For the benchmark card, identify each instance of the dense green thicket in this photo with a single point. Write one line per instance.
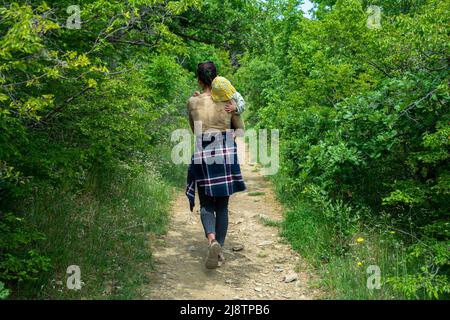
(85, 121)
(364, 120)
(86, 116)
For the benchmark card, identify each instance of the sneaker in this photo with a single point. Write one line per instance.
(221, 256)
(212, 260)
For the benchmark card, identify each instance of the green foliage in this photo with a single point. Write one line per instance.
(77, 102)
(4, 293)
(432, 254)
(15, 263)
(363, 115)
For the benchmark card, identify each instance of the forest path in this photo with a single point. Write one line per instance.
(257, 271)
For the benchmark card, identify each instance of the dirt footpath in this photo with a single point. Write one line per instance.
(266, 267)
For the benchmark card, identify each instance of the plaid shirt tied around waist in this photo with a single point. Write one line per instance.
(214, 166)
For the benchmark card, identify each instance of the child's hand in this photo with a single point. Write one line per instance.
(196, 93)
(230, 106)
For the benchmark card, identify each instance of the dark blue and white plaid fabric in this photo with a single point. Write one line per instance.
(214, 166)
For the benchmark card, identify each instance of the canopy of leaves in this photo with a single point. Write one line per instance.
(363, 114)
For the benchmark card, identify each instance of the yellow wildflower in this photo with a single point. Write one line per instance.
(359, 264)
(360, 240)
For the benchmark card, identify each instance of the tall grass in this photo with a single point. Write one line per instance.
(343, 271)
(341, 256)
(104, 229)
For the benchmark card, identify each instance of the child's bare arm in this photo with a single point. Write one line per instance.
(231, 106)
(240, 102)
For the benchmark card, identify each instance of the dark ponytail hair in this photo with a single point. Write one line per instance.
(206, 72)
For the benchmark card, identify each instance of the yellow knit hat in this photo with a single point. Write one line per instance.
(221, 89)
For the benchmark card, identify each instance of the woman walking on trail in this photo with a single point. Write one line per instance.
(214, 168)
